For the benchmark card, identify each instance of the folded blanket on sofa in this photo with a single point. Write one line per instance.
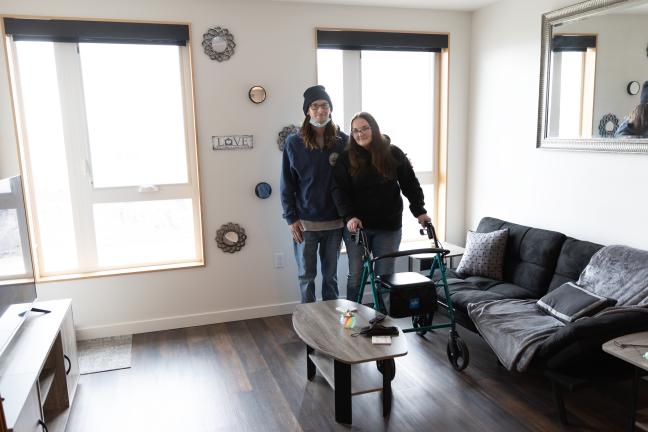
(516, 329)
(618, 272)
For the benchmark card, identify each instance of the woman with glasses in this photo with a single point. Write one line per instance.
(306, 179)
(369, 177)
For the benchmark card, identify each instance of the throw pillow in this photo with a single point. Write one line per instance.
(484, 254)
(569, 302)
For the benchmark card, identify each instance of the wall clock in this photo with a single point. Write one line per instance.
(633, 88)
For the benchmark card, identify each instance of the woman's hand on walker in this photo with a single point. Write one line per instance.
(354, 224)
(424, 219)
(296, 231)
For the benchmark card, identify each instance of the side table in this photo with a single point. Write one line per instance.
(631, 348)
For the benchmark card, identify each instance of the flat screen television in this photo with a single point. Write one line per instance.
(17, 284)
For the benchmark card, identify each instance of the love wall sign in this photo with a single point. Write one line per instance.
(232, 142)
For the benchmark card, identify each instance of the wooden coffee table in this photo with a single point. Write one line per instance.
(332, 350)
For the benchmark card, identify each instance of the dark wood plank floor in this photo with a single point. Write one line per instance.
(251, 376)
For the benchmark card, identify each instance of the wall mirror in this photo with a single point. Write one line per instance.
(591, 51)
(218, 44)
(230, 237)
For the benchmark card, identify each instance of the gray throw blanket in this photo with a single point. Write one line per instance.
(516, 329)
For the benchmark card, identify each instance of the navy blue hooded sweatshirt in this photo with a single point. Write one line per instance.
(307, 178)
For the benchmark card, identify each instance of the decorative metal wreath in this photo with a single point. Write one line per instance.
(605, 120)
(230, 237)
(224, 36)
(287, 130)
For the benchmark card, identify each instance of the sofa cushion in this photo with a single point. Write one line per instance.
(484, 254)
(474, 289)
(531, 254)
(574, 256)
(569, 302)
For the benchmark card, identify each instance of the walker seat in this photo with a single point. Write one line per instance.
(409, 294)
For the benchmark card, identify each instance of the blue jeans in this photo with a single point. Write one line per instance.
(381, 242)
(329, 242)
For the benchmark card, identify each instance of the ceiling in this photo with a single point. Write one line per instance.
(461, 5)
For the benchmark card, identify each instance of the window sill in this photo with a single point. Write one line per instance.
(118, 272)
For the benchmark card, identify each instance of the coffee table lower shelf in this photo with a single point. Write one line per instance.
(365, 377)
(348, 380)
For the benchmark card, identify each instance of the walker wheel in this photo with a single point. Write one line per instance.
(457, 351)
(391, 370)
(419, 321)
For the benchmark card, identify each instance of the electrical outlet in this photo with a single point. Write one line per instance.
(279, 260)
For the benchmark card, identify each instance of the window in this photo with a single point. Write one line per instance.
(573, 64)
(15, 263)
(108, 149)
(401, 80)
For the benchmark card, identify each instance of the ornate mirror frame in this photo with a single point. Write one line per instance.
(561, 16)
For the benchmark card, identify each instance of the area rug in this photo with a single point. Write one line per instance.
(105, 354)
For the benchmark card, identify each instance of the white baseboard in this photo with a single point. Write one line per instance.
(181, 321)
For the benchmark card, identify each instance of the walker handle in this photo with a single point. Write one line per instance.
(396, 254)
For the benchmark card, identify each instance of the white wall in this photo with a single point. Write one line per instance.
(276, 49)
(593, 196)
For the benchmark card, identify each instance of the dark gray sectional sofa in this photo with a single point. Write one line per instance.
(537, 261)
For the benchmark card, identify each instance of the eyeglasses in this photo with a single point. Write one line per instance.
(317, 107)
(362, 130)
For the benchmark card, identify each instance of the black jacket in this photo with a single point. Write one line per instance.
(372, 198)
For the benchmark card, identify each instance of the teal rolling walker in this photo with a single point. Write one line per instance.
(413, 294)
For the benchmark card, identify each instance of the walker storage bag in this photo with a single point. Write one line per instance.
(410, 294)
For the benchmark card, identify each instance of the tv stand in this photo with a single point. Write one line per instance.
(39, 371)
(43, 311)
(35, 309)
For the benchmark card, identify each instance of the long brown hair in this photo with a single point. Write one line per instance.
(308, 134)
(379, 149)
(638, 119)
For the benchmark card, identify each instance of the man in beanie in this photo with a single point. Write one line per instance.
(306, 179)
(636, 123)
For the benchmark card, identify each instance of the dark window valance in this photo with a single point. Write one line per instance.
(561, 43)
(383, 41)
(96, 31)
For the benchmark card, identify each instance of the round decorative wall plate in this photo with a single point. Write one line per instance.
(608, 125)
(230, 237)
(263, 190)
(283, 134)
(257, 94)
(218, 44)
